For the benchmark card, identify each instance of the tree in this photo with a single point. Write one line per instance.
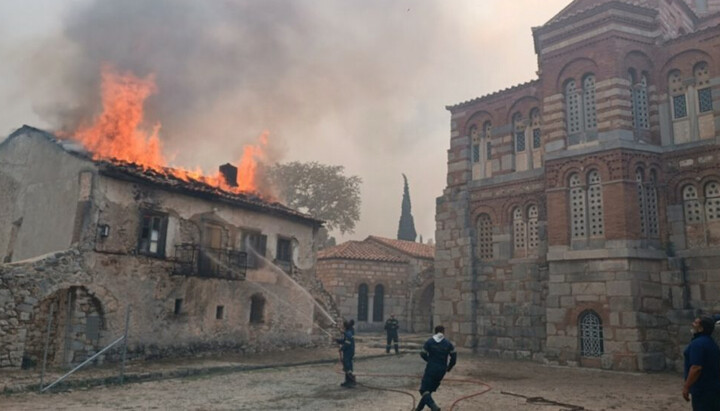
(320, 190)
(406, 228)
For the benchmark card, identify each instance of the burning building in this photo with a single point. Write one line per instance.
(203, 268)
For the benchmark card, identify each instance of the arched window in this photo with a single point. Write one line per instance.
(595, 205)
(702, 83)
(485, 237)
(653, 228)
(475, 138)
(572, 107)
(533, 237)
(712, 201)
(535, 123)
(639, 101)
(257, 309)
(691, 205)
(589, 108)
(518, 132)
(362, 311)
(487, 133)
(677, 95)
(378, 303)
(642, 204)
(578, 217)
(591, 334)
(519, 232)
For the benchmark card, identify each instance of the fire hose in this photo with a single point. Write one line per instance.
(485, 386)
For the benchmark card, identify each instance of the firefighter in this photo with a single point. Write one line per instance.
(391, 329)
(347, 350)
(435, 352)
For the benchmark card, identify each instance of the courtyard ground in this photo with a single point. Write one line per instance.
(308, 379)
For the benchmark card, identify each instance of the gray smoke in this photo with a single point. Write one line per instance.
(227, 70)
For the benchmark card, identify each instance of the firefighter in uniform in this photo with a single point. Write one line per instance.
(391, 328)
(435, 352)
(347, 349)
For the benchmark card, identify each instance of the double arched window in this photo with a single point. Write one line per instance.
(580, 110)
(691, 104)
(586, 206)
(525, 231)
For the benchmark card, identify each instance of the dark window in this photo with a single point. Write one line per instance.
(178, 306)
(679, 106)
(257, 309)
(705, 100)
(520, 141)
(219, 312)
(378, 303)
(591, 335)
(254, 244)
(536, 138)
(476, 153)
(362, 302)
(153, 229)
(489, 150)
(284, 250)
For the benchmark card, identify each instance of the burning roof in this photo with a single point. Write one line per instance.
(169, 179)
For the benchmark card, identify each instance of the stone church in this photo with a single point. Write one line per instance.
(580, 224)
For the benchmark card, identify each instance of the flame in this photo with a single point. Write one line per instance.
(116, 136)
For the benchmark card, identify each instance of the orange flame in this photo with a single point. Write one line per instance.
(116, 136)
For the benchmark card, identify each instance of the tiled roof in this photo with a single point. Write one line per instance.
(580, 6)
(493, 94)
(411, 248)
(134, 172)
(359, 250)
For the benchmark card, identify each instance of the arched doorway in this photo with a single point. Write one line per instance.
(76, 329)
(423, 309)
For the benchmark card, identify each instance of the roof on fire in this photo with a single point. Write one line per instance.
(136, 173)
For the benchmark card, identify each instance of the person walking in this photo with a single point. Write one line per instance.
(391, 329)
(435, 352)
(702, 367)
(347, 350)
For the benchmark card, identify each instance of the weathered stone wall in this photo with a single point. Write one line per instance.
(109, 283)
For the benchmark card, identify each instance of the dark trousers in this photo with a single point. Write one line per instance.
(706, 402)
(431, 379)
(392, 337)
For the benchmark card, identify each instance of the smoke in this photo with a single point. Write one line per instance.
(227, 70)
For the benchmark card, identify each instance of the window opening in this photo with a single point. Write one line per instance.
(284, 250)
(518, 229)
(178, 306)
(595, 204)
(589, 102)
(379, 303)
(577, 207)
(257, 309)
(572, 101)
(485, 237)
(363, 302)
(152, 234)
(712, 201)
(533, 237)
(591, 335)
(254, 244)
(653, 227)
(219, 312)
(691, 204)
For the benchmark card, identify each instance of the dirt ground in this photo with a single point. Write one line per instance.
(388, 383)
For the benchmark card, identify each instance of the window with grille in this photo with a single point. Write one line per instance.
(519, 142)
(536, 138)
(519, 129)
(712, 201)
(577, 207)
(284, 250)
(476, 153)
(642, 205)
(589, 102)
(691, 205)
(595, 205)
(705, 102)
(488, 147)
(362, 311)
(533, 236)
(677, 92)
(591, 335)
(653, 226)
(641, 118)
(572, 107)
(535, 124)
(679, 106)
(485, 237)
(518, 229)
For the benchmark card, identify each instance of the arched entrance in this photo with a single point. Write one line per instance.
(423, 309)
(78, 323)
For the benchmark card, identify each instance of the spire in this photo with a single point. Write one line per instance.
(406, 228)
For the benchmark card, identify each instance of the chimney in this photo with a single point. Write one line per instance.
(229, 173)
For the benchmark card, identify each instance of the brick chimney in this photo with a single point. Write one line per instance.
(229, 173)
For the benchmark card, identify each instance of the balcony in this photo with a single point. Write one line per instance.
(192, 260)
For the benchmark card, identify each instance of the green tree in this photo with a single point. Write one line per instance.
(406, 227)
(321, 190)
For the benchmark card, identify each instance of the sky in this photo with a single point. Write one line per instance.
(357, 83)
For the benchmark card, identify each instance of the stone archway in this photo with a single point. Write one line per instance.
(77, 326)
(423, 309)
